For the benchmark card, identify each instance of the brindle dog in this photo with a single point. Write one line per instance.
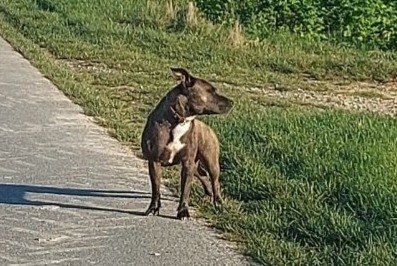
(199, 155)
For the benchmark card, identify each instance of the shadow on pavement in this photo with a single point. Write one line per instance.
(15, 194)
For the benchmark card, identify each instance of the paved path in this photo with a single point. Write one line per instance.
(71, 195)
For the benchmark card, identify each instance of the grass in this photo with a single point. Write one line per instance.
(303, 186)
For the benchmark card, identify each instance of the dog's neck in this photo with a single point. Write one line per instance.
(169, 113)
(176, 118)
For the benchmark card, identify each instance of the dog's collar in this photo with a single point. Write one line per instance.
(179, 119)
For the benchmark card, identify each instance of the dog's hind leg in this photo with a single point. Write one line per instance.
(155, 173)
(214, 172)
(203, 177)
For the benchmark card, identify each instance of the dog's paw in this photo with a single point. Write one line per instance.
(218, 202)
(183, 214)
(154, 208)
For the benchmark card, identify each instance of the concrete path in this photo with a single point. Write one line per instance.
(71, 195)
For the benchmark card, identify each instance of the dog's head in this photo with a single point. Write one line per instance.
(201, 96)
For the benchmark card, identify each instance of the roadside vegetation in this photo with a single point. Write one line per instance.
(305, 184)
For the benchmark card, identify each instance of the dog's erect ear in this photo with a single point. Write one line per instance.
(183, 76)
(180, 74)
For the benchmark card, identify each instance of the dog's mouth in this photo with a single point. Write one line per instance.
(222, 108)
(226, 108)
(224, 104)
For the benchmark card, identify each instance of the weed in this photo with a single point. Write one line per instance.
(236, 37)
(191, 15)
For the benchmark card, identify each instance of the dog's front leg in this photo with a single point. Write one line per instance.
(187, 174)
(155, 173)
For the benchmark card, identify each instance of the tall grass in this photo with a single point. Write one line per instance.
(359, 23)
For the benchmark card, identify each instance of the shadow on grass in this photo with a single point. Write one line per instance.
(15, 194)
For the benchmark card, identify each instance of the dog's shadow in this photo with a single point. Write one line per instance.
(15, 194)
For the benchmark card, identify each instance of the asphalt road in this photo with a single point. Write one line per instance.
(72, 195)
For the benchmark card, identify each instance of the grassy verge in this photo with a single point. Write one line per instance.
(304, 186)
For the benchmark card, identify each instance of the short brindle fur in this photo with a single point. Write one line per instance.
(200, 156)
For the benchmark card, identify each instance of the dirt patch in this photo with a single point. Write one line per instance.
(360, 96)
(89, 66)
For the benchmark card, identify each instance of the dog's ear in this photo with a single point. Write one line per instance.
(183, 76)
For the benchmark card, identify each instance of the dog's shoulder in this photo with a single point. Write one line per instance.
(204, 130)
(201, 125)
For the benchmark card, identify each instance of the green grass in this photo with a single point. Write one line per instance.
(303, 186)
(311, 187)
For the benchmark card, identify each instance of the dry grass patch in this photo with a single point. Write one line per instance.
(236, 36)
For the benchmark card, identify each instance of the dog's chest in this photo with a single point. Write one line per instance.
(176, 145)
(180, 130)
(177, 133)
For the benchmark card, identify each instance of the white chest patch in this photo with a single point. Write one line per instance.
(177, 133)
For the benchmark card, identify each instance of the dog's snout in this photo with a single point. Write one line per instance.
(228, 103)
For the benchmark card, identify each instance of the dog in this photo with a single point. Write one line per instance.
(167, 156)
(197, 149)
